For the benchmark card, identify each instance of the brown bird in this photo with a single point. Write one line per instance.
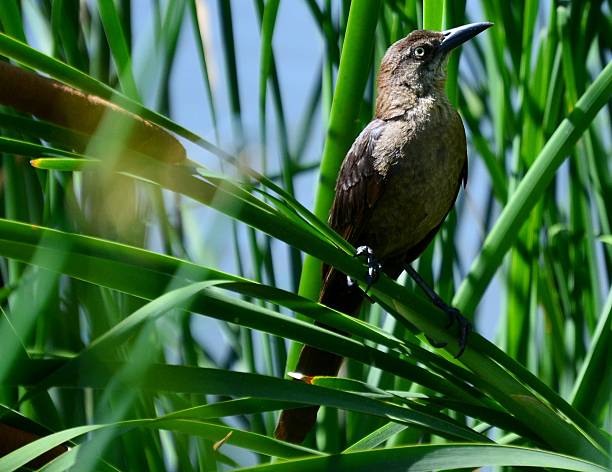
(396, 185)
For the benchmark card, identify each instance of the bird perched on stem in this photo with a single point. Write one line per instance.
(396, 185)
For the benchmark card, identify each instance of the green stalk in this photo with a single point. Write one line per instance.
(352, 77)
(199, 35)
(119, 48)
(530, 189)
(433, 14)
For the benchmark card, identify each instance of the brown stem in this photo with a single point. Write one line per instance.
(50, 100)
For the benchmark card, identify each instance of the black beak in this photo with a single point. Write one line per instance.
(459, 35)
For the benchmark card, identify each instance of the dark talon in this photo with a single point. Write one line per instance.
(464, 330)
(452, 312)
(436, 344)
(465, 327)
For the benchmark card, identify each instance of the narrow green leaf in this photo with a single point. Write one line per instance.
(267, 31)
(376, 438)
(65, 164)
(434, 457)
(11, 20)
(596, 364)
(119, 47)
(174, 378)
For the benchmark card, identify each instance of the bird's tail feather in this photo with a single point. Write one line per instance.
(294, 424)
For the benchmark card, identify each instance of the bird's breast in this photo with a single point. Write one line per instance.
(422, 160)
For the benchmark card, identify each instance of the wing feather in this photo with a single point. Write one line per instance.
(359, 185)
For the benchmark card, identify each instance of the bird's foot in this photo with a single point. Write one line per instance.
(436, 344)
(453, 314)
(374, 267)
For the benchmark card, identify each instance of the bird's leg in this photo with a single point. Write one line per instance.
(374, 267)
(452, 313)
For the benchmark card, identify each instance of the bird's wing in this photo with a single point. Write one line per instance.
(458, 122)
(359, 185)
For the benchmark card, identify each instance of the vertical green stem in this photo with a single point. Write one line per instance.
(352, 77)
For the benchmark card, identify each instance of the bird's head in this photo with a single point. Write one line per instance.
(418, 61)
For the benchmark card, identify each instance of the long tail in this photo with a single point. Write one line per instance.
(294, 424)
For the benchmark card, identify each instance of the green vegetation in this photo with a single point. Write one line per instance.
(108, 280)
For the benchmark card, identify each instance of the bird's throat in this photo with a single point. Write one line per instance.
(401, 102)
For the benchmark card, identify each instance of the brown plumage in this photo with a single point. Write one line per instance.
(396, 185)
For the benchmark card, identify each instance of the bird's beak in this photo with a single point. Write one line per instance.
(459, 35)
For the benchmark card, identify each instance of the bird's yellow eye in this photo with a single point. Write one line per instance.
(419, 51)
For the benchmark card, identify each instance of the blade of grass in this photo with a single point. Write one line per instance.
(176, 378)
(433, 457)
(119, 47)
(589, 379)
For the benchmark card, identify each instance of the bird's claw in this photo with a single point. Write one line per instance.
(374, 268)
(451, 312)
(464, 330)
(436, 344)
(465, 327)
